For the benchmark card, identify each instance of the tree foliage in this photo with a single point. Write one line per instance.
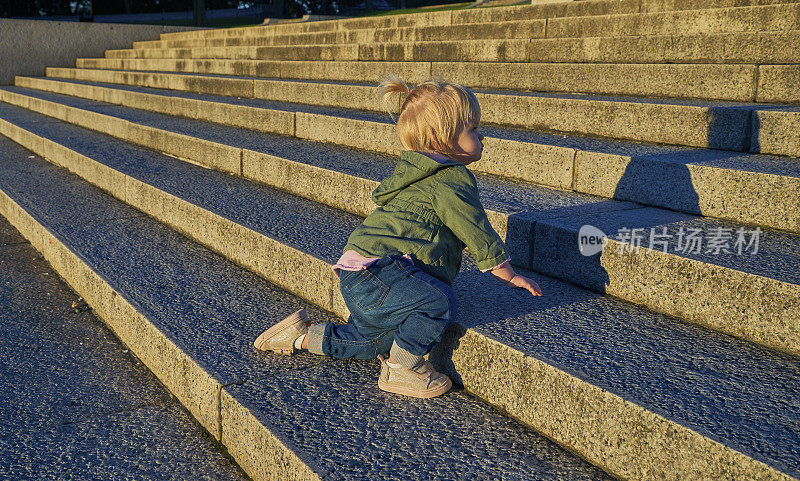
(30, 8)
(291, 8)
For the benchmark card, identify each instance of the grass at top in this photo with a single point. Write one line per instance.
(212, 23)
(436, 8)
(248, 22)
(403, 11)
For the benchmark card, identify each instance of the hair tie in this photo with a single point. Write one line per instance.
(408, 90)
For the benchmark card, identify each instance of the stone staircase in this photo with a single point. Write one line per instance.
(195, 190)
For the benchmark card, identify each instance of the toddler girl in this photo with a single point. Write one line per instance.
(398, 265)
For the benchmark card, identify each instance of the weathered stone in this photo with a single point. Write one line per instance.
(743, 19)
(778, 83)
(709, 81)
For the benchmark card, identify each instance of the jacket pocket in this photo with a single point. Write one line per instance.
(366, 290)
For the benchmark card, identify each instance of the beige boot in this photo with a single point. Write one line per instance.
(422, 382)
(280, 337)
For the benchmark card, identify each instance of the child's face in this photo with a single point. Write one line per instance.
(468, 145)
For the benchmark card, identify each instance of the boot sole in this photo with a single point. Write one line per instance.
(407, 391)
(263, 339)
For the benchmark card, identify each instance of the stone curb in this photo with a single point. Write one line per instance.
(712, 188)
(610, 432)
(191, 383)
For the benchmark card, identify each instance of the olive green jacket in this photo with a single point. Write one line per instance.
(431, 211)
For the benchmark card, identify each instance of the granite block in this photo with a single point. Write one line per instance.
(706, 81)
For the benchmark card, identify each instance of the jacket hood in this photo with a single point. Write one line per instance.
(412, 167)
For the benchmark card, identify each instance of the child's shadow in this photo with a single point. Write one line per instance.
(660, 178)
(513, 317)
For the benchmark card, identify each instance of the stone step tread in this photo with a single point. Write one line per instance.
(778, 252)
(715, 104)
(721, 125)
(74, 399)
(739, 161)
(512, 27)
(722, 49)
(329, 412)
(674, 369)
(640, 39)
(308, 39)
(682, 80)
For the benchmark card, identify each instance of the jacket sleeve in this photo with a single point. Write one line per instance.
(458, 205)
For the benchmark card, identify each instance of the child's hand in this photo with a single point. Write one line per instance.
(507, 276)
(525, 283)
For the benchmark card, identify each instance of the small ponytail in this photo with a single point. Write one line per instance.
(392, 86)
(430, 115)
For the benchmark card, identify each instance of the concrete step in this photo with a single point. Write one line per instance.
(764, 128)
(414, 72)
(780, 17)
(564, 9)
(729, 48)
(522, 214)
(299, 417)
(283, 52)
(668, 5)
(471, 31)
(516, 46)
(737, 82)
(514, 27)
(628, 389)
(695, 181)
(76, 404)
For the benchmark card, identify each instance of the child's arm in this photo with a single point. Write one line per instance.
(457, 203)
(507, 276)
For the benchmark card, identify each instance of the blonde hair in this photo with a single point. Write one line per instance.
(432, 113)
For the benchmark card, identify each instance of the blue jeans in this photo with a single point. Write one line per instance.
(391, 301)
